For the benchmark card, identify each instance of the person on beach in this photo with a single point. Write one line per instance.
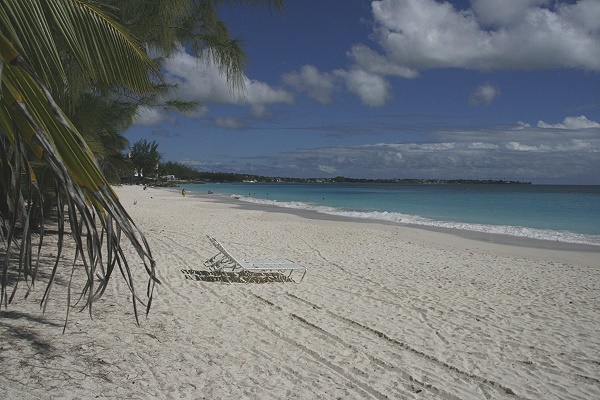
(183, 192)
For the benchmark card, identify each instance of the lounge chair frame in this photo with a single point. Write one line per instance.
(228, 266)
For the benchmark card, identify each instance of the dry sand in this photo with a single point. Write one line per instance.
(385, 311)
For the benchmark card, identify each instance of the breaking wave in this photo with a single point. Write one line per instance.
(542, 234)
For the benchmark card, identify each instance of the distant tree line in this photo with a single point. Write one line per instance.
(184, 172)
(145, 157)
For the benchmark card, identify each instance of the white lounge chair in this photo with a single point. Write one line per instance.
(243, 270)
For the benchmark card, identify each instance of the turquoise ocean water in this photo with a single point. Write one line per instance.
(560, 213)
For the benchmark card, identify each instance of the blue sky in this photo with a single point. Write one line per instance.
(481, 89)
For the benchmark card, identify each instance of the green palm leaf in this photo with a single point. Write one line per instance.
(103, 49)
(60, 49)
(32, 125)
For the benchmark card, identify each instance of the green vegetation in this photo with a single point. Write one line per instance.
(145, 157)
(73, 73)
(185, 173)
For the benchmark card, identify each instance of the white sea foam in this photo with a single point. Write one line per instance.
(542, 234)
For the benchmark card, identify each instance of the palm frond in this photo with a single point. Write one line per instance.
(31, 123)
(213, 40)
(104, 49)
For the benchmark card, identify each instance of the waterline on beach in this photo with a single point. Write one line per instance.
(565, 214)
(518, 231)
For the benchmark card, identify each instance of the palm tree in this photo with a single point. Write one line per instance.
(34, 130)
(66, 49)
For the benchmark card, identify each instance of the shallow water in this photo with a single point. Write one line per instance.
(551, 212)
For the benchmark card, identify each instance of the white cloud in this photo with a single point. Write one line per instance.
(370, 61)
(318, 85)
(516, 34)
(372, 89)
(259, 110)
(197, 80)
(416, 35)
(516, 146)
(480, 145)
(195, 163)
(370, 86)
(148, 116)
(201, 81)
(484, 95)
(505, 155)
(585, 14)
(531, 153)
(259, 94)
(505, 12)
(197, 112)
(580, 122)
(521, 125)
(327, 169)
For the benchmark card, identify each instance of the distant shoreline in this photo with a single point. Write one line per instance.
(400, 181)
(356, 180)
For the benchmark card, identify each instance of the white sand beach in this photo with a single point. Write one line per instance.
(384, 312)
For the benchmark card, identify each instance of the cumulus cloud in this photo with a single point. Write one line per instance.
(318, 85)
(512, 34)
(197, 112)
(148, 116)
(505, 12)
(201, 81)
(369, 60)
(580, 122)
(373, 90)
(484, 95)
(416, 35)
(521, 125)
(258, 93)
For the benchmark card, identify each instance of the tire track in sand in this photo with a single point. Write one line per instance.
(410, 384)
(503, 389)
